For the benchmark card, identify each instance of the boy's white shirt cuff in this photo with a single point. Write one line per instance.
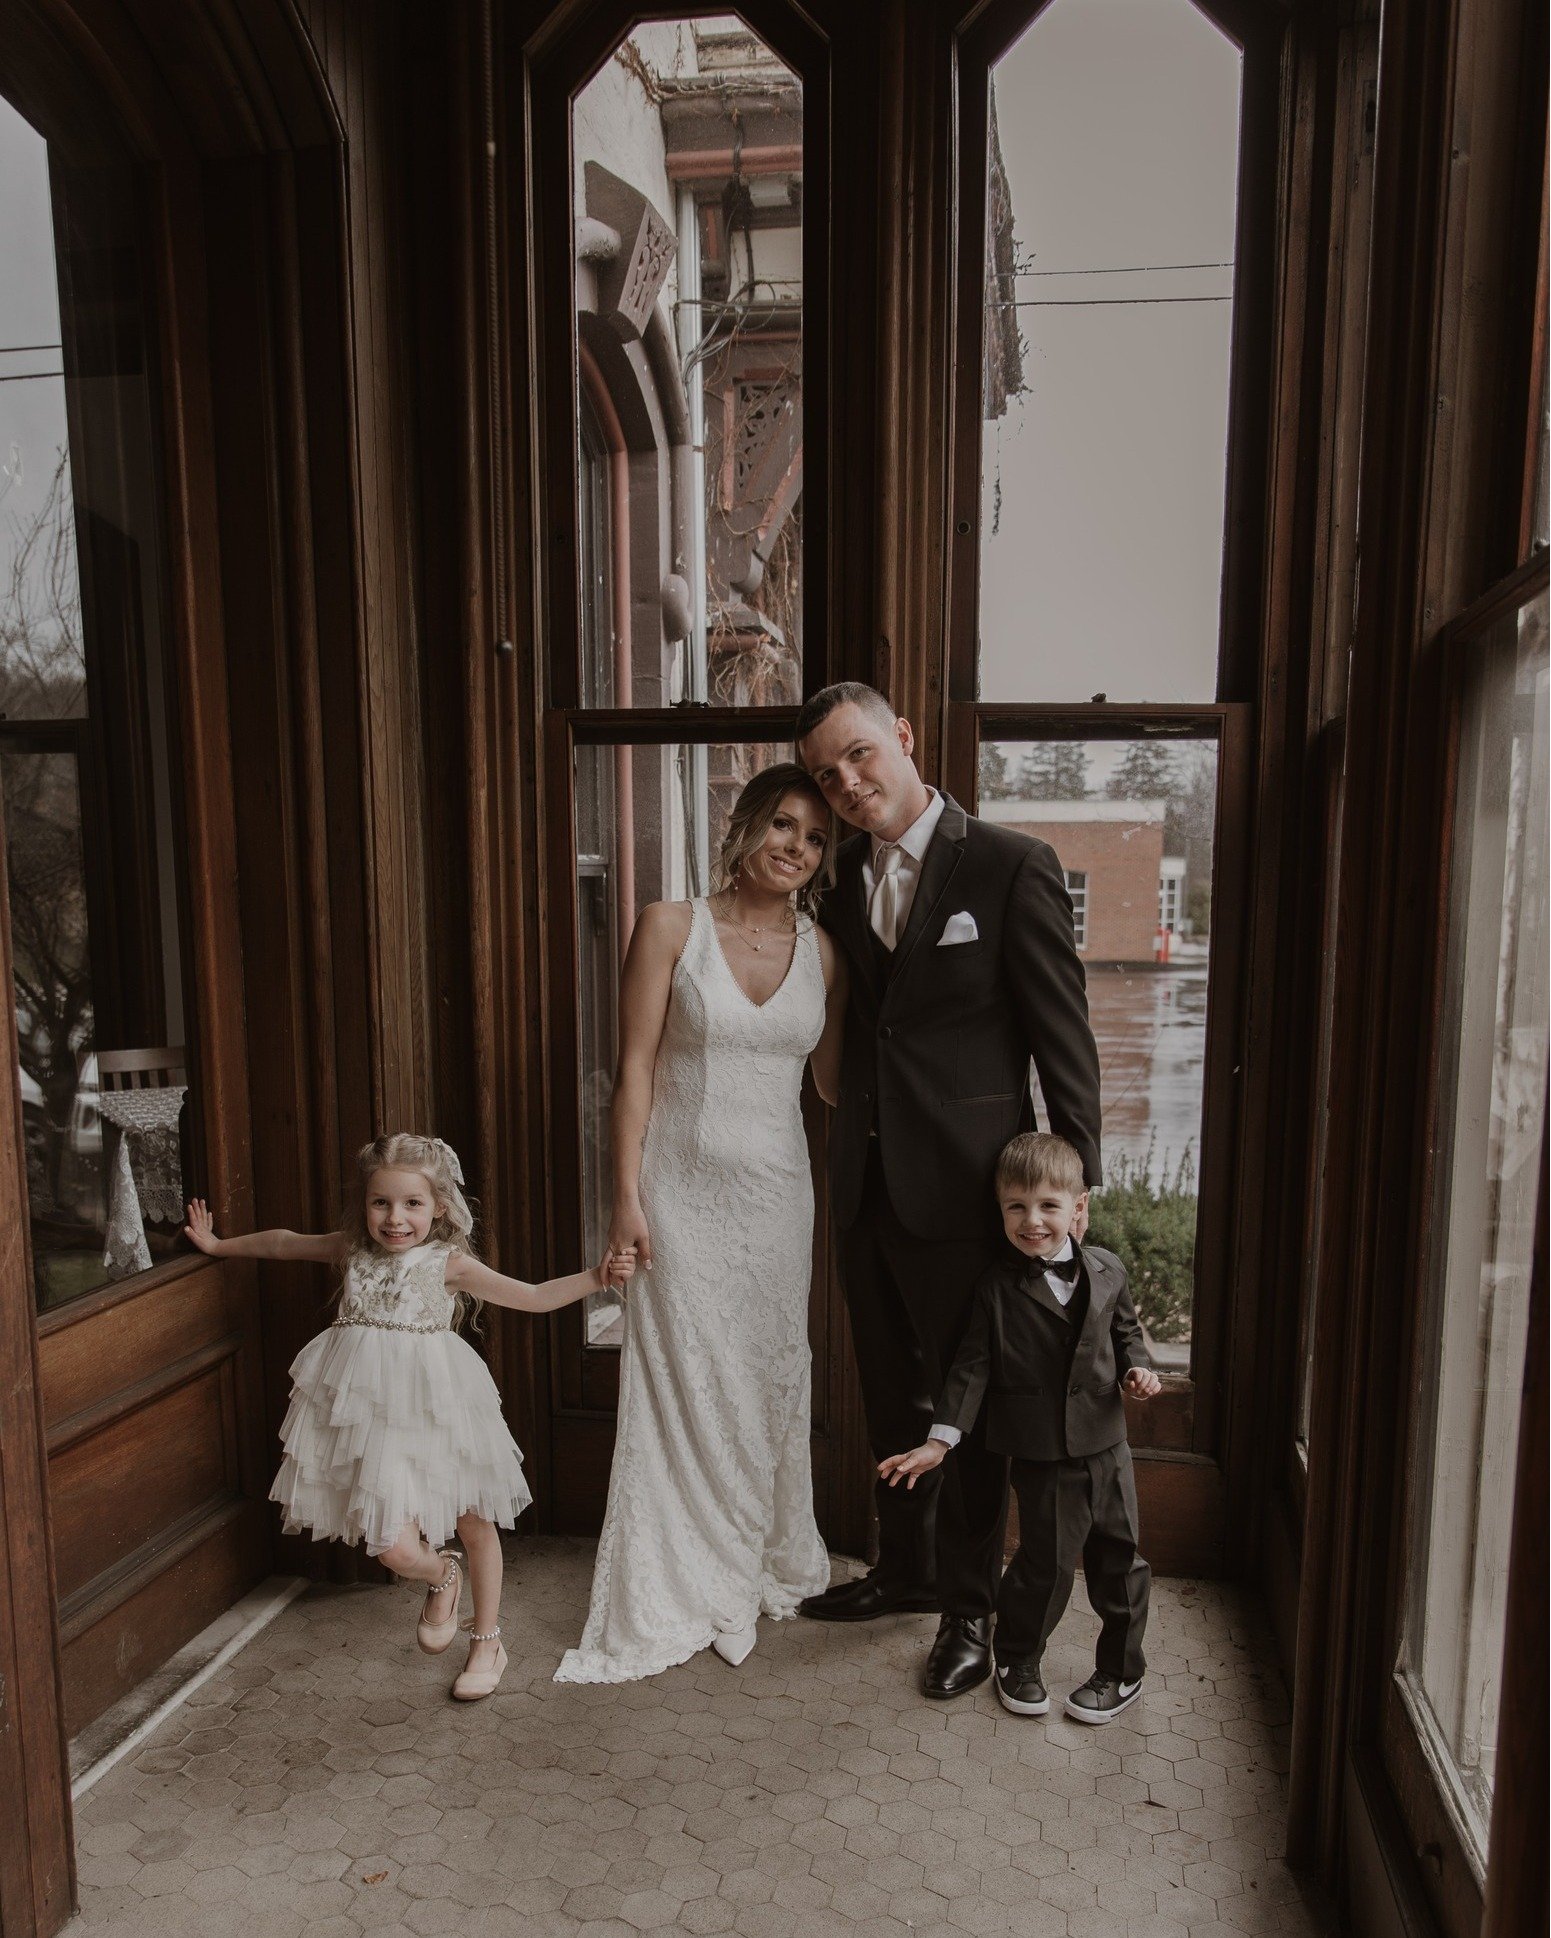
(949, 1436)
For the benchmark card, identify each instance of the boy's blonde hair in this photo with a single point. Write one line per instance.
(434, 1160)
(1039, 1157)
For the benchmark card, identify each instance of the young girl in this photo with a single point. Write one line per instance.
(394, 1434)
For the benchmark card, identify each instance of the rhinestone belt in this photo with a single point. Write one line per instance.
(388, 1325)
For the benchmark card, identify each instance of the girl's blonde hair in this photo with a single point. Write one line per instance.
(750, 821)
(453, 1224)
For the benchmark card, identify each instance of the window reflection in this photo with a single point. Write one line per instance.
(1133, 825)
(1113, 183)
(1498, 983)
(687, 199)
(84, 756)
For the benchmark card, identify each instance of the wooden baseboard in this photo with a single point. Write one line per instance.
(1381, 1895)
(126, 1626)
(1182, 1504)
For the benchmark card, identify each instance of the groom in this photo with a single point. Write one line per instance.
(958, 935)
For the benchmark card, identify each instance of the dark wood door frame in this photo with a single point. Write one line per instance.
(37, 1850)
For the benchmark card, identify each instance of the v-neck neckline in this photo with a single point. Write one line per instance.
(716, 942)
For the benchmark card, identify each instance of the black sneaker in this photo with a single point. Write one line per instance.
(1101, 1699)
(1019, 1689)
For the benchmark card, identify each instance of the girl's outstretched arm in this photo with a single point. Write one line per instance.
(314, 1248)
(465, 1274)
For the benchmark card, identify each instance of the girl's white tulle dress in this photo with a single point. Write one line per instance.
(394, 1420)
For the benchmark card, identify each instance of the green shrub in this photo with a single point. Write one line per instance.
(1152, 1231)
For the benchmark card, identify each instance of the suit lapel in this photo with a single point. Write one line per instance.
(1103, 1287)
(1038, 1284)
(851, 910)
(942, 858)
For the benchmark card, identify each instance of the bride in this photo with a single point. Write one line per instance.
(710, 1510)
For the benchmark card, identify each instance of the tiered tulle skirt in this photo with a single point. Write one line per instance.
(388, 1430)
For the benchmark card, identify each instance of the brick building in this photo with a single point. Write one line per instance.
(1112, 853)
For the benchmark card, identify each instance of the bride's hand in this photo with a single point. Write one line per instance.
(628, 1233)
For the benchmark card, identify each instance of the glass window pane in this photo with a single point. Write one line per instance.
(1133, 823)
(649, 823)
(1113, 177)
(1495, 1021)
(687, 197)
(84, 742)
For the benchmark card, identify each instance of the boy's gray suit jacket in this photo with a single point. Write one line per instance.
(1013, 1359)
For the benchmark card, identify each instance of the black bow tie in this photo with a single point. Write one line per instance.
(1061, 1268)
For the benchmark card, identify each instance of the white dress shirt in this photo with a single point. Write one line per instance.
(912, 846)
(1063, 1289)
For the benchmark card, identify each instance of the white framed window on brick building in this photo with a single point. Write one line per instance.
(1077, 888)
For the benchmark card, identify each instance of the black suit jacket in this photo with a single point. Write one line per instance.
(937, 1054)
(1044, 1401)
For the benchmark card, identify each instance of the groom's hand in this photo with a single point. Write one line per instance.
(908, 1467)
(1141, 1383)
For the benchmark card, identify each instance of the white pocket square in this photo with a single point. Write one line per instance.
(959, 928)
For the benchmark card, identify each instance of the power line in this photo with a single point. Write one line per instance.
(6, 349)
(27, 376)
(1133, 269)
(1099, 302)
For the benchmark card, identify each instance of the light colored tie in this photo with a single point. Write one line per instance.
(883, 910)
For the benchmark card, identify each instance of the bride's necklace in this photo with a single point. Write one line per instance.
(749, 929)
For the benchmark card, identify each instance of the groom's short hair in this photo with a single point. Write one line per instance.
(853, 693)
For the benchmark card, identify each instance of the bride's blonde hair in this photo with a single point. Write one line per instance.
(437, 1163)
(750, 820)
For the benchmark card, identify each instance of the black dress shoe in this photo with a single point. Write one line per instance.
(961, 1656)
(1019, 1689)
(867, 1598)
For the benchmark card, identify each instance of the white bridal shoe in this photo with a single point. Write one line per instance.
(736, 1645)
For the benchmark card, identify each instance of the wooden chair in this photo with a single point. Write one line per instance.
(140, 1069)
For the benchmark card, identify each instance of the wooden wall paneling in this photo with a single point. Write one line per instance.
(37, 1853)
(915, 349)
(1268, 592)
(264, 428)
(108, 70)
(151, 1401)
(846, 647)
(1349, 70)
(1394, 435)
(517, 331)
(1445, 302)
(479, 934)
(357, 51)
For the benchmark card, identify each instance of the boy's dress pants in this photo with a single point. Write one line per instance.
(1070, 1510)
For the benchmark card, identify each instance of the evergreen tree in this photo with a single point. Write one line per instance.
(995, 781)
(1147, 772)
(1054, 770)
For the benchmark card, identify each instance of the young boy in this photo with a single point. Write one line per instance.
(1052, 1343)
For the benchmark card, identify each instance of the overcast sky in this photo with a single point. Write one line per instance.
(1119, 129)
(32, 409)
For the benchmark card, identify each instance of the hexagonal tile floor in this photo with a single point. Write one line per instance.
(322, 1783)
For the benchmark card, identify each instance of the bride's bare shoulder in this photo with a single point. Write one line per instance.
(663, 928)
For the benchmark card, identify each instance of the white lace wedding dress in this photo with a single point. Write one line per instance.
(710, 1510)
